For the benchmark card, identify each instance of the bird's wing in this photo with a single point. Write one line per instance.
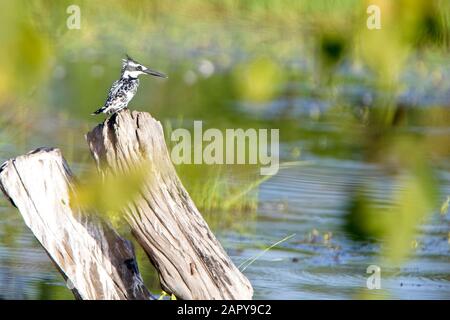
(113, 90)
(121, 93)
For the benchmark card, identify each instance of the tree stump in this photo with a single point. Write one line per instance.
(96, 262)
(190, 260)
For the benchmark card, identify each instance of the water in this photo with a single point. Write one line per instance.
(307, 266)
(307, 201)
(321, 261)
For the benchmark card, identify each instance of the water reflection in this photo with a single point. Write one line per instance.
(309, 201)
(345, 114)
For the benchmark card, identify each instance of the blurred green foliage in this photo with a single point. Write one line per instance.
(231, 63)
(109, 194)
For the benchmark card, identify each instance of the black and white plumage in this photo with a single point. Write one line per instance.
(124, 89)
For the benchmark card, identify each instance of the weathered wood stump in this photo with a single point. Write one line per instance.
(191, 262)
(97, 261)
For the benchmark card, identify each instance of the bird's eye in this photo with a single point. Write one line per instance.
(139, 68)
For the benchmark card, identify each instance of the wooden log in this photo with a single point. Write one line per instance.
(97, 261)
(191, 262)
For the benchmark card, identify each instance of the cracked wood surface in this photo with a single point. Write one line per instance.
(97, 261)
(190, 260)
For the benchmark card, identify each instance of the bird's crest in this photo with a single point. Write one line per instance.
(127, 60)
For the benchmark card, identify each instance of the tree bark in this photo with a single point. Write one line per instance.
(191, 262)
(96, 262)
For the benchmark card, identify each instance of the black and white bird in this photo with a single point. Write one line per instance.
(124, 89)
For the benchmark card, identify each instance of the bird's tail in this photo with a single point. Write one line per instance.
(98, 111)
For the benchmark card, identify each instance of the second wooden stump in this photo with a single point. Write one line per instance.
(191, 262)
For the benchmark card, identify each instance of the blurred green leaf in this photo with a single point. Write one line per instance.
(258, 80)
(110, 194)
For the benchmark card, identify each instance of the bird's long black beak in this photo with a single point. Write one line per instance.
(155, 73)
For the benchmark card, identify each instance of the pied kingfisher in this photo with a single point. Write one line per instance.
(124, 89)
